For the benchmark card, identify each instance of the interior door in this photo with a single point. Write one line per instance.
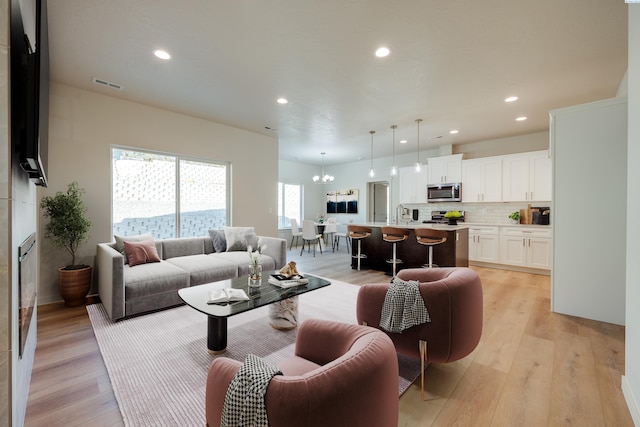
(379, 192)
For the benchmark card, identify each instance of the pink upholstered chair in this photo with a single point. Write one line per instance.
(453, 297)
(341, 375)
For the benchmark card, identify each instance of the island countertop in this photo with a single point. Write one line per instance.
(452, 253)
(412, 225)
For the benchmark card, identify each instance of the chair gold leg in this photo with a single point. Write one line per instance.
(423, 352)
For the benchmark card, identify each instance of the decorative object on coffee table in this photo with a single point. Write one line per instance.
(255, 267)
(68, 228)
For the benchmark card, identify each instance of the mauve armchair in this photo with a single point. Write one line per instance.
(453, 297)
(341, 375)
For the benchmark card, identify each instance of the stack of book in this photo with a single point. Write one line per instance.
(287, 282)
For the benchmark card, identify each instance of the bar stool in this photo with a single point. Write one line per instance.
(394, 235)
(430, 237)
(358, 232)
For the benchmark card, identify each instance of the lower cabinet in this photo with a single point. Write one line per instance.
(525, 247)
(484, 244)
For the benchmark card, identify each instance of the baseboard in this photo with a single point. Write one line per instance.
(632, 403)
(511, 268)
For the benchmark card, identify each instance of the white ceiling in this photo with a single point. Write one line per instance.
(452, 63)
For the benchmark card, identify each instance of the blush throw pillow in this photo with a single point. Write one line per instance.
(239, 238)
(141, 252)
(121, 239)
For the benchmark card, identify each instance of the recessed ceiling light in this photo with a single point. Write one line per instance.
(403, 141)
(521, 119)
(453, 132)
(381, 52)
(162, 54)
(282, 100)
(511, 99)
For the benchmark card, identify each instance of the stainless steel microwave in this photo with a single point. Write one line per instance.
(447, 192)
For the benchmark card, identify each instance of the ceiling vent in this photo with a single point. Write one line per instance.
(106, 83)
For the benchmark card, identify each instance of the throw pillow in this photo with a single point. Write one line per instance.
(121, 239)
(141, 252)
(239, 238)
(219, 241)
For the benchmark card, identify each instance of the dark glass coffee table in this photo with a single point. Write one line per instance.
(217, 314)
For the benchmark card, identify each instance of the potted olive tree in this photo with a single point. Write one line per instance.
(68, 228)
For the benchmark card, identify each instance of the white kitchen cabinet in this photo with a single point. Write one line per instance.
(484, 244)
(482, 180)
(526, 247)
(526, 177)
(412, 185)
(444, 169)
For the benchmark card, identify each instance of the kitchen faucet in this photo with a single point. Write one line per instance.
(399, 212)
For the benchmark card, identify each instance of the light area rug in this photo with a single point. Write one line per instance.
(158, 363)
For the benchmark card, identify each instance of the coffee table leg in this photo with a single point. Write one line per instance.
(216, 334)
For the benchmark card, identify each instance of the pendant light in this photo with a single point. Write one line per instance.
(418, 163)
(394, 170)
(371, 172)
(324, 179)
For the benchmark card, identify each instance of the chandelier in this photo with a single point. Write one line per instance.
(325, 178)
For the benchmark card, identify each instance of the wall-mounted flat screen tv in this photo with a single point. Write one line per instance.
(30, 86)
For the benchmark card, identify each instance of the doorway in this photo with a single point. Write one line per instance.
(378, 196)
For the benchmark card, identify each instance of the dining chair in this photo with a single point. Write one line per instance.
(295, 232)
(329, 232)
(309, 236)
(341, 232)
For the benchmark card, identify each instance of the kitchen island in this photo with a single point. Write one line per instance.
(452, 253)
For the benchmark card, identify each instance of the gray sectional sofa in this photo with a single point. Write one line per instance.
(126, 291)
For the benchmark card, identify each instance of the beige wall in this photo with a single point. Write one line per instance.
(509, 145)
(83, 127)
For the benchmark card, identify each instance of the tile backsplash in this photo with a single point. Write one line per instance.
(494, 213)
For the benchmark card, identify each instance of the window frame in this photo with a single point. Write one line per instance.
(177, 158)
(281, 185)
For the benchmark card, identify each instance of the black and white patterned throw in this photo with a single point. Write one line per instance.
(403, 306)
(244, 402)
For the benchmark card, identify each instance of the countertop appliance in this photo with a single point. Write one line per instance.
(437, 217)
(446, 192)
(540, 215)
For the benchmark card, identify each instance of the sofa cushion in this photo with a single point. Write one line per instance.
(242, 261)
(218, 239)
(239, 238)
(141, 252)
(155, 278)
(182, 247)
(205, 268)
(137, 238)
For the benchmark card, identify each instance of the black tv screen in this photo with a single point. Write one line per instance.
(30, 86)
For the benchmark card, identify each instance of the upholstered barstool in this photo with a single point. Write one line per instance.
(394, 235)
(358, 232)
(430, 237)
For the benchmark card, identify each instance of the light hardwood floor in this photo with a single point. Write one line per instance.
(531, 368)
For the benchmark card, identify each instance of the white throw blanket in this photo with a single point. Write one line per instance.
(244, 401)
(403, 306)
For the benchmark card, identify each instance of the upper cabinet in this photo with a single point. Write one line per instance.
(412, 185)
(482, 180)
(526, 177)
(444, 169)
